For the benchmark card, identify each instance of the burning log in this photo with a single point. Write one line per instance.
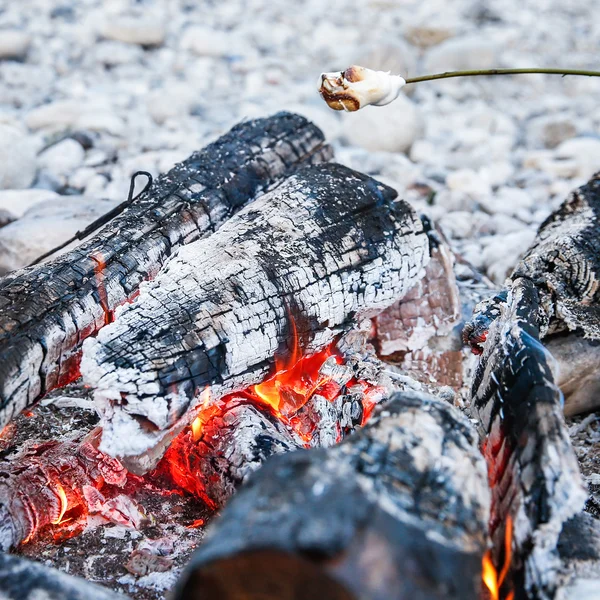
(48, 310)
(398, 510)
(533, 471)
(21, 579)
(326, 249)
(52, 483)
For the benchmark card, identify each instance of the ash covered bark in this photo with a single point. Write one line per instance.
(397, 511)
(328, 247)
(48, 310)
(534, 473)
(21, 579)
(564, 265)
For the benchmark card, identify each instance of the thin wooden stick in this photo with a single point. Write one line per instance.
(476, 73)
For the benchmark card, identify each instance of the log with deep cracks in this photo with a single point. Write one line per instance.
(534, 474)
(48, 310)
(326, 248)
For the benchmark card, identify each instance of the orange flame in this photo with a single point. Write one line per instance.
(295, 380)
(63, 503)
(204, 414)
(491, 578)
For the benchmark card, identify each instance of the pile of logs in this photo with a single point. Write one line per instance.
(215, 277)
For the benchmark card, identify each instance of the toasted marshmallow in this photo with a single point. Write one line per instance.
(357, 87)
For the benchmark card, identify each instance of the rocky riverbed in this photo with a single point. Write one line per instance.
(93, 90)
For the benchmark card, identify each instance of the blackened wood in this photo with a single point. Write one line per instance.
(22, 579)
(397, 511)
(48, 310)
(328, 247)
(534, 473)
(564, 263)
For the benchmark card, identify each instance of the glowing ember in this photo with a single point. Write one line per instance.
(297, 396)
(491, 578)
(195, 524)
(63, 503)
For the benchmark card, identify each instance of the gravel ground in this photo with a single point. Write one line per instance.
(93, 90)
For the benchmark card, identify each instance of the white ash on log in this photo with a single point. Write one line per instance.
(564, 265)
(397, 511)
(46, 311)
(325, 249)
(21, 579)
(420, 332)
(533, 470)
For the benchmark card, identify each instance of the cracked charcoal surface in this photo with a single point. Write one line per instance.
(533, 469)
(47, 311)
(413, 477)
(328, 247)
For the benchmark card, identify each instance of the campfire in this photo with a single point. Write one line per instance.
(272, 337)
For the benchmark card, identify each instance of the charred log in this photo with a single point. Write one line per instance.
(21, 579)
(564, 263)
(52, 482)
(48, 310)
(398, 510)
(328, 247)
(533, 470)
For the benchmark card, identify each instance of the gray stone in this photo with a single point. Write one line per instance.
(14, 43)
(17, 202)
(46, 226)
(17, 159)
(141, 30)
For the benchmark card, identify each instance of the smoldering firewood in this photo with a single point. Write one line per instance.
(398, 510)
(420, 331)
(579, 550)
(328, 247)
(21, 579)
(232, 444)
(533, 469)
(564, 265)
(233, 436)
(48, 310)
(48, 480)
